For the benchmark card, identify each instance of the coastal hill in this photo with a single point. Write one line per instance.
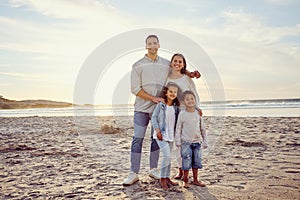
(13, 104)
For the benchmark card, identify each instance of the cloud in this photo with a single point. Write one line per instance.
(64, 9)
(239, 43)
(281, 2)
(249, 28)
(251, 57)
(89, 21)
(22, 76)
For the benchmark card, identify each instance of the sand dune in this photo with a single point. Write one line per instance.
(88, 158)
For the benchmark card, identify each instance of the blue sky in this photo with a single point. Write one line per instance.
(255, 45)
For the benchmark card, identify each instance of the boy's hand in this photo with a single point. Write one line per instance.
(200, 112)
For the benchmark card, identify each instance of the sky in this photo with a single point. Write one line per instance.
(254, 45)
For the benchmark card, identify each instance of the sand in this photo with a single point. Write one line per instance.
(88, 158)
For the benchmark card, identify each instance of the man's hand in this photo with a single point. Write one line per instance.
(158, 99)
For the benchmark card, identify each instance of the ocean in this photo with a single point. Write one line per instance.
(239, 108)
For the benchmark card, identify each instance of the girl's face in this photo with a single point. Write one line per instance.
(189, 100)
(172, 93)
(177, 63)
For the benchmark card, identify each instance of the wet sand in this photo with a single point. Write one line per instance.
(88, 158)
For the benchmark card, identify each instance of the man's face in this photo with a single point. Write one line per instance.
(152, 45)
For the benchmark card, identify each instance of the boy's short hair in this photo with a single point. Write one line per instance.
(186, 93)
(152, 36)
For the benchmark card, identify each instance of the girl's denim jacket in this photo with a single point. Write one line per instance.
(158, 118)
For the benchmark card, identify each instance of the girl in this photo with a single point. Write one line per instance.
(178, 76)
(189, 130)
(163, 120)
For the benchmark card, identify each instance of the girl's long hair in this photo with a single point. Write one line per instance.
(164, 92)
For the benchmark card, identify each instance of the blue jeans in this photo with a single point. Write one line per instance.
(141, 121)
(166, 149)
(191, 155)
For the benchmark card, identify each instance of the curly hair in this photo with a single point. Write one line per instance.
(165, 90)
(186, 93)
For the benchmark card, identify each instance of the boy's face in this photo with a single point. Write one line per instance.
(189, 100)
(152, 45)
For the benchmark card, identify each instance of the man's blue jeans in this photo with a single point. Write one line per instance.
(141, 121)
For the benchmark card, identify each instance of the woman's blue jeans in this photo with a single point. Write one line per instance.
(141, 121)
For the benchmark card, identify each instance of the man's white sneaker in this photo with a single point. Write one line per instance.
(154, 173)
(131, 179)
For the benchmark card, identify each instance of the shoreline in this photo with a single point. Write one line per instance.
(57, 157)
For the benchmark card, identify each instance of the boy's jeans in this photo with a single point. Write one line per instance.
(141, 121)
(191, 155)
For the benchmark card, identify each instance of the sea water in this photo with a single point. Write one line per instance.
(240, 108)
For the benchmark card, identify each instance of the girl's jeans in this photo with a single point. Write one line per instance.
(166, 149)
(141, 121)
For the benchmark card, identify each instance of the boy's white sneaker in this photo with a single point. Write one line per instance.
(154, 173)
(131, 179)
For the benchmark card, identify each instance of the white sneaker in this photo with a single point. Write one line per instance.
(131, 179)
(154, 173)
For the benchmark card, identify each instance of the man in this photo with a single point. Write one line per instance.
(148, 76)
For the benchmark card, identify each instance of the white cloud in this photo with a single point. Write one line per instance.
(239, 43)
(65, 9)
(251, 56)
(249, 28)
(281, 2)
(22, 76)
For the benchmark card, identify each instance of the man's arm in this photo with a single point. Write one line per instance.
(144, 95)
(194, 74)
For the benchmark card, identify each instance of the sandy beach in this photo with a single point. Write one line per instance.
(88, 158)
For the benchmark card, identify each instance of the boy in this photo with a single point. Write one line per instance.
(189, 130)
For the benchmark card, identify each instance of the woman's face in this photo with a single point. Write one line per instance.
(177, 63)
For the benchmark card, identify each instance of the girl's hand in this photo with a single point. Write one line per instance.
(159, 136)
